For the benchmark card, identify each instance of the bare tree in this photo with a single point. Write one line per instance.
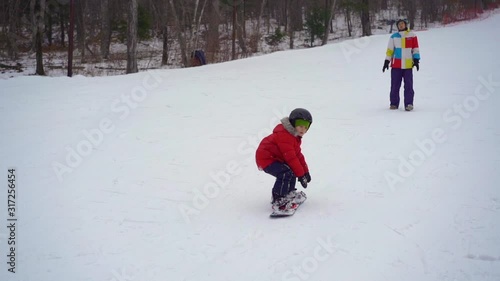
(268, 17)
(71, 32)
(105, 29)
(261, 12)
(164, 53)
(233, 38)
(62, 22)
(384, 4)
(51, 9)
(132, 37)
(329, 16)
(289, 23)
(80, 27)
(37, 8)
(180, 34)
(163, 8)
(347, 8)
(34, 26)
(197, 22)
(213, 42)
(240, 21)
(12, 32)
(410, 7)
(365, 18)
(428, 11)
(296, 15)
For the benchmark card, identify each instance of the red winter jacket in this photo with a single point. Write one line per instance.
(282, 146)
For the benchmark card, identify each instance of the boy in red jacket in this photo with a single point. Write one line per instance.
(279, 155)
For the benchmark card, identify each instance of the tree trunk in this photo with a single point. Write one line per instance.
(34, 24)
(411, 18)
(180, 36)
(244, 26)
(163, 22)
(12, 32)
(297, 22)
(197, 24)
(412, 11)
(49, 28)
(241, 40)
(329, 17)
(348, 21)
(105, 29)
(233, 42)
(268, 18)
(80, 27)
(39, 53)
(484, 4)
(384, 5)
(132, 37)
(71, 32)
(39, 25)
(213, 42)
(192, 24)
(164, 55)
(331, 23)
(62, 20)
(261, 12)
(289, 23)
(425, 12)
(365, 18)
(257, 32)
(286, 12)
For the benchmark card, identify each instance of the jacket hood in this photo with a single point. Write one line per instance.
(287, 126)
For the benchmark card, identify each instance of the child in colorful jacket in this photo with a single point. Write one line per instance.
(279, 155)
(403, 54)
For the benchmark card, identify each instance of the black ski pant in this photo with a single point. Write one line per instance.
(285, 179)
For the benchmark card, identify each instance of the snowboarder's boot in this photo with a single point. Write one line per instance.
(409, 107)
(283, 205)
(297, 197)
(393, 107)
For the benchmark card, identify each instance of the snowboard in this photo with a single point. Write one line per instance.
(288, 213)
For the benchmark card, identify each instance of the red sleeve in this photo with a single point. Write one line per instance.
(415, 51)
(286, 145)
(302, 160)
(415, 42)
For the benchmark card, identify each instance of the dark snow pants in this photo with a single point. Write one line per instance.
(285, 179)
(397, 75)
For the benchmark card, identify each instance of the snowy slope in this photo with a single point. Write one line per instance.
(151, 176)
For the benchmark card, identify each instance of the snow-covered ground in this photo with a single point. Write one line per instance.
(151, 176)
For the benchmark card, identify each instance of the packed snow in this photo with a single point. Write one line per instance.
(151, 176)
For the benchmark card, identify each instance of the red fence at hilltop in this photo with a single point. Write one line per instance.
(466, 14)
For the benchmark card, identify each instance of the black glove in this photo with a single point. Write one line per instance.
(308, 177)
(386, 65)
(415, 63)
(303, 181)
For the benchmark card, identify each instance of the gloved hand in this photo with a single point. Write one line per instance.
(303, 181)
(415, 63)
(386, 65)
(308, 177)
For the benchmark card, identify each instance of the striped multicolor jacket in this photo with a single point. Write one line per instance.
(402, 49)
